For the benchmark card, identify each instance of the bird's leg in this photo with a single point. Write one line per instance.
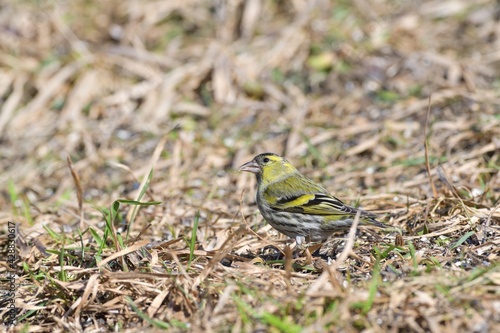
(299, 240)
(307, 249)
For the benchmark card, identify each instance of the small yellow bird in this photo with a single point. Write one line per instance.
(295, 205)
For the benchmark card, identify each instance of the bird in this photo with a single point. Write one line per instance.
(298, 207)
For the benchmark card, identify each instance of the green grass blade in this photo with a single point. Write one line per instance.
(192, 243)
(135, 210)
(154, 322)
(462, 239)
(96, 236)
(55, 236)
(281, 324)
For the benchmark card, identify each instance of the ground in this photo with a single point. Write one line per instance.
(123, 124)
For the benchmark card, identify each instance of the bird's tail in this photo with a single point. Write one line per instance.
(370, 219)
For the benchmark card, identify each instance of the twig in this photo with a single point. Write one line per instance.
(329, 271)
(488, 221)
(350, 242)
(288, 268)
(79, 190)
(427, 165)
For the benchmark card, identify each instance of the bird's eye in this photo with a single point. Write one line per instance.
(265, 160)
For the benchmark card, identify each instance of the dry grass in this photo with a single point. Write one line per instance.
(192, 89)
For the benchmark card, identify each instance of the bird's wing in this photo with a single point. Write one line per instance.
(313, 204)
(309, 198)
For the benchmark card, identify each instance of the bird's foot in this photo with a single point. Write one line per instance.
(306, 249)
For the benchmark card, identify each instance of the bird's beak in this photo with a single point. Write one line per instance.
(251, 166)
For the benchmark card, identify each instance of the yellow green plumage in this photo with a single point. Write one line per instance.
(295, 205)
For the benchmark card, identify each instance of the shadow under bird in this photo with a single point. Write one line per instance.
(298, 207)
